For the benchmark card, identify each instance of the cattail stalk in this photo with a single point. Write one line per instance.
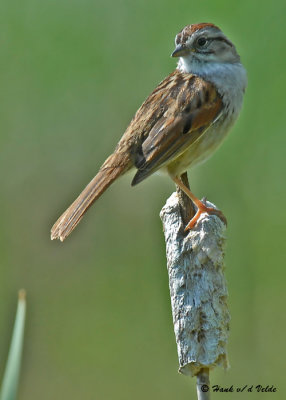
(195, 262)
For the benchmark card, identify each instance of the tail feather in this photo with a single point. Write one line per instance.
(113, 167)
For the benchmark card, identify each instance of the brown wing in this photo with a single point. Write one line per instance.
(187, 107)
(175, 114)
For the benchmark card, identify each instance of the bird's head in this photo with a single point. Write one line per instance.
(204, 43)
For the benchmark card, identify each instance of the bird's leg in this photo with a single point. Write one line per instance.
(201, 207)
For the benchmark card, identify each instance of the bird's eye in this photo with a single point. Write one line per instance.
(202, 41)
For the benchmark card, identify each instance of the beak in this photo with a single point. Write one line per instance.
(180, 50)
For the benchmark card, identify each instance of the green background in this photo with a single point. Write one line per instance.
(72, 74)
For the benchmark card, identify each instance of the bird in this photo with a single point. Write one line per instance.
(180, 124)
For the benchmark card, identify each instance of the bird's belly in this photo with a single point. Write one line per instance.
(200, 150)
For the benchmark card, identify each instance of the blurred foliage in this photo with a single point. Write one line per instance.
(9, 385)
(72, 74)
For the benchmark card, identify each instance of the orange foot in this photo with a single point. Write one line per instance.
(204, 209)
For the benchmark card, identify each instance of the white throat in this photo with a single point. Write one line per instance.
(229, 79)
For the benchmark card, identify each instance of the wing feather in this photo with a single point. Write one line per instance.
(185, 118)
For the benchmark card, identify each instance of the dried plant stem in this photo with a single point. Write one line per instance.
(203, 384)
(187, 208)
(195, 262)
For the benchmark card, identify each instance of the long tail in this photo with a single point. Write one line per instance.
(114, 166)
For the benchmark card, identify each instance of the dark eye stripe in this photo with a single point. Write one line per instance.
(206, 51)
(210, 39)
(222, 39)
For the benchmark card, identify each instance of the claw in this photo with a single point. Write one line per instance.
(204, 209)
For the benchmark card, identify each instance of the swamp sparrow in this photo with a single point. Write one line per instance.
(180, 124)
